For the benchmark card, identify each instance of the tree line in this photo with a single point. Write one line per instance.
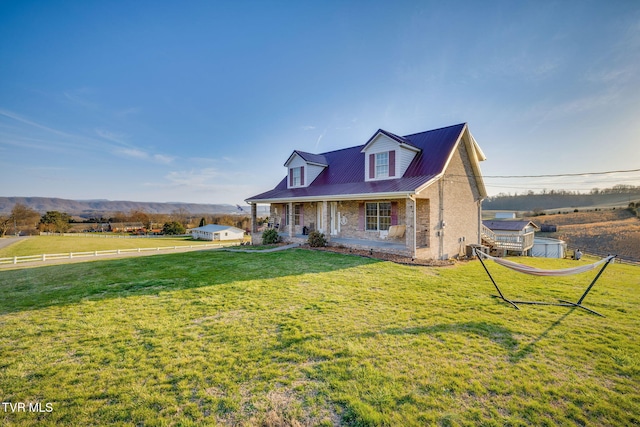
(25, 220)
(551, 199)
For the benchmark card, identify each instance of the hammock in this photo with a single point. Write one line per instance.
(541, 272)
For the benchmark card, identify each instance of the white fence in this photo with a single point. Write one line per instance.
(71, 255)
(115, 235)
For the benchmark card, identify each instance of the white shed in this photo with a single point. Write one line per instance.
(546, 247)
(217, 232)
(505, 215)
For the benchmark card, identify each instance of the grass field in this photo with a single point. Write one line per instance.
(299, 338)
(37, 245)
(600, 232)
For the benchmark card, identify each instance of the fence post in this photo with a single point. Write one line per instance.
(15, 259)
(44, 257)
(70, 255)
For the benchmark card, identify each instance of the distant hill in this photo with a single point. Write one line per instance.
(562, 200)
(89, 208)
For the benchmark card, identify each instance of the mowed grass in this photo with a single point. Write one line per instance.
(299, 338)
(37, 245)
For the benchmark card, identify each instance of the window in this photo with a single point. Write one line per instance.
(378, 216)
(296, 214)
(296, 180)
(382, 165)
(286, 214)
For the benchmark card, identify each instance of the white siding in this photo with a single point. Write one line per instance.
(311, 172)
(231, 233)
(383, 143)
(380, 144)
(404, 157)
(297, 161)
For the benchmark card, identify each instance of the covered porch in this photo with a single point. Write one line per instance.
(395, 247)
(345, 223)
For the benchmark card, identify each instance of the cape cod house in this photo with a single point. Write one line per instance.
(417, 195)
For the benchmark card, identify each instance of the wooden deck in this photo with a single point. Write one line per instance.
(516, 241)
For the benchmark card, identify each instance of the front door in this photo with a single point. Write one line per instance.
(333, 218)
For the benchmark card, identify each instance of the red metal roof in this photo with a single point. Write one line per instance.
(345, 175)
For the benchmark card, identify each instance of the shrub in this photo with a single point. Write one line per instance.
(317, 240)
(270, 237)
(173, 228)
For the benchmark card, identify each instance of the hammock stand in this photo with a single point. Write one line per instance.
(561, 303)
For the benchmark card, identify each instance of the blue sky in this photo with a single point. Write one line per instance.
(204, 101)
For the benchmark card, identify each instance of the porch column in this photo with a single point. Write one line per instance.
(325, 220)
(291, 226)
(254, 218)
(410, 221)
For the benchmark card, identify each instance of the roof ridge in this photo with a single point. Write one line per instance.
(433, 130)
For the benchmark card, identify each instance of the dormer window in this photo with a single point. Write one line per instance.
(382, 165)
(296, 177)
(303, 168)
(387, 156)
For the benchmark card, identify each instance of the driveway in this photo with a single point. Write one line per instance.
(6, 241)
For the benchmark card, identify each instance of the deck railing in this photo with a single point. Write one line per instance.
(511, 242)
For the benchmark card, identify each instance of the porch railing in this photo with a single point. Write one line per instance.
(511, 242)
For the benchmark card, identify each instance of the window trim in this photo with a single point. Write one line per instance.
(296, 176)
(297, 214)
(379, 225)
(381, 162)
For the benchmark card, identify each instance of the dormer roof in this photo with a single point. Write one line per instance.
(310, 158)
(401, 140)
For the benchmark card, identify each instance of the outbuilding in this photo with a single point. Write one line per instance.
(546, 247)
(217, 232)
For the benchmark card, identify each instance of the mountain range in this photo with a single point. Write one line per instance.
(89, 208)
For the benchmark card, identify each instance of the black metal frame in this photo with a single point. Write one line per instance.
(561, 303)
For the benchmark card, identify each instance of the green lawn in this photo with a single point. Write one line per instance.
(37, 245)
(303, 338)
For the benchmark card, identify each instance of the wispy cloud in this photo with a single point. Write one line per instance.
(194, 178)
(576, 106)
(79, 97)
(56, 140)
(306, 128)
(118, 138)
(163, 159)
(26, 121)
(320, 139)
(138, 154)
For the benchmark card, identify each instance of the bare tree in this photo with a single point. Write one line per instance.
(139, 215)
(5, 223)
(24, 218)
(182, 216)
